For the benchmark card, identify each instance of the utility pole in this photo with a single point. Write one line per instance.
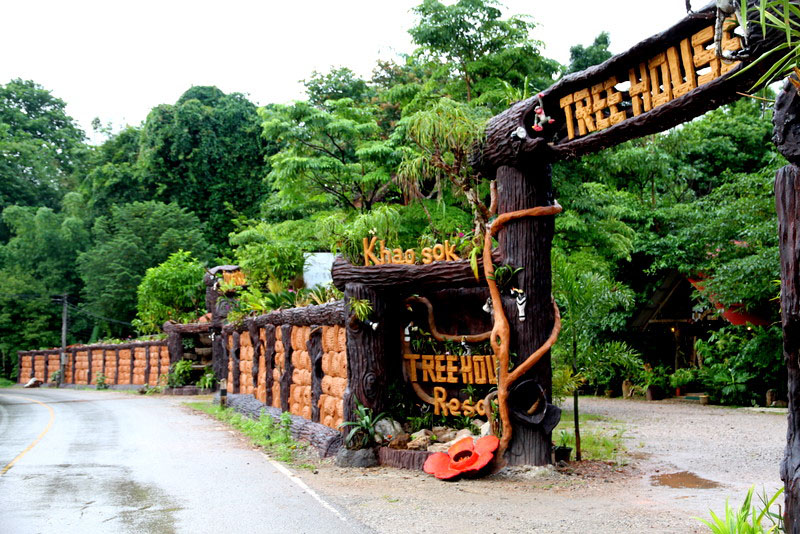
(63, 356)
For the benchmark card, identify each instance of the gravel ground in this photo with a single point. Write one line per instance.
(732, 449)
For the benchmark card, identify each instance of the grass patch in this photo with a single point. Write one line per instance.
(6, 383)
(601, 437)
(263, 432)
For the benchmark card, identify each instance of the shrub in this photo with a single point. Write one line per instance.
(170, 291)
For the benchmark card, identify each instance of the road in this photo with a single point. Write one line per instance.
(120, 462)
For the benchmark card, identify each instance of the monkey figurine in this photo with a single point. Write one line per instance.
(540, 118)
(726, 8)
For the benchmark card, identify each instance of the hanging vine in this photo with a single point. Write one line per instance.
(501, 333)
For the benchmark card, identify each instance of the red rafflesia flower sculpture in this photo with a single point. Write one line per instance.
(462, 458)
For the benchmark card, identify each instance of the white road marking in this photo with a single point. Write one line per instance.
(305, 488)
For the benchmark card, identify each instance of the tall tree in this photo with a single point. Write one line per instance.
(476, 42)
(113, 176)
(41, 147)
(334, 156)
(206, 153)
(581, 58)
(133, 238)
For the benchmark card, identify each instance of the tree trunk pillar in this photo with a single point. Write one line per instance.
(787, 194)
(526, 243)
(366, 349)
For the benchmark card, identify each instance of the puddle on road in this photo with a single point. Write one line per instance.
(683, 479)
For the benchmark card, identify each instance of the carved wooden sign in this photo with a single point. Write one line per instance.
(376, 253)
(641, 86)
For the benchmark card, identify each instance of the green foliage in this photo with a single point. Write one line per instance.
(748, 518)
(740, 363)
(41, 147)
(362, 433)
(361, 308)
(205, 153)
(504, 275)
(263, 432)
(208, 380)
(443, 136)
(682, 377)
(656, 377)
(601, 439)
(345, 234)
(280, 261)
(100, 381)
(471, 39)
(336, 84)
(581, 58)
(781, 16)
(565, 382)
(179, 373)
(132, 239)
(172, 291)
(333, 155)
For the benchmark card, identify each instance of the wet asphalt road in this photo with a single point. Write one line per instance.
(117, 462)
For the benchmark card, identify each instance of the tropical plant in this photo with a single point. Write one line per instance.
(100, 381)
(746, 519)
(362, 308)
(345, 234)
(504, 276)
(781, 16)
(362, 433)
(208, 380)
(682, 377)
(179, 373)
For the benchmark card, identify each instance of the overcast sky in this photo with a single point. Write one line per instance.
(116, 59)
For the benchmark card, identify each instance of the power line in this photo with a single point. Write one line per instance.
(85, 312)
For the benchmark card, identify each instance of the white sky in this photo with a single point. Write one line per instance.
(116, 59)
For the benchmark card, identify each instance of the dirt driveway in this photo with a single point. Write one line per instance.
(731, 449)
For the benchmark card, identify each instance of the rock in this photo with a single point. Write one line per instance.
(387, 429)
(477, 423)
(486, 429)
(419, 444)
(463, 433)
(438, 447)
(33, 383)
(420, 433)
(356, 458)
(400, 441)
(448, 435)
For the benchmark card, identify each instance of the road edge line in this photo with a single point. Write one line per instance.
(294, 478)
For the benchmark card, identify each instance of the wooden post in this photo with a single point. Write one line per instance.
(89, 367)
(269, 360)
(787, 203)
(255, 341)
(234, 355)
(147, 365)
(526, 243)
(74, 359)
(366, 350)
(288, 366)
(314, 347)
(116, 367)
(175, 346)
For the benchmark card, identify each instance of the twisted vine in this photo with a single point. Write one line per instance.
(500, 339)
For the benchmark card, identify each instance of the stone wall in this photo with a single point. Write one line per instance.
(293, 360)
(136, 363)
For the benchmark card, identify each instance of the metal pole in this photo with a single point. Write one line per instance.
(63, 355)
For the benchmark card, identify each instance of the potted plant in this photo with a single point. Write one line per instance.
(562, 452)
(680, 378)
(654, 382)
